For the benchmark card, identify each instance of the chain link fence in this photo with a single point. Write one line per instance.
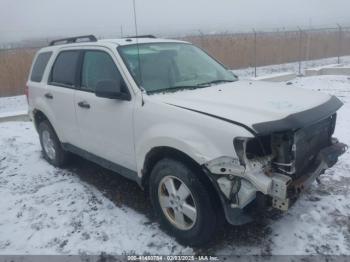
(235, 50)
(256, 48)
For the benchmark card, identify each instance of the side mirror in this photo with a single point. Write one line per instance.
(111, 89)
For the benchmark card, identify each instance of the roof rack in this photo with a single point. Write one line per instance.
(90, 38)
(141, 36)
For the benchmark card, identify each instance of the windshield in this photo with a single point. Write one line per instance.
(160, 67)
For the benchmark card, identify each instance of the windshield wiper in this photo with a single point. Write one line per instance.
(181, 87)
(176, 88)
(216, 82)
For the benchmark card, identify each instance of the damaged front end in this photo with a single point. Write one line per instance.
(277, 166)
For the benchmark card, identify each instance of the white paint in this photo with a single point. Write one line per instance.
(246, 102)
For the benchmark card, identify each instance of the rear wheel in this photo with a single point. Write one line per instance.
(51, 146)
(183, 204)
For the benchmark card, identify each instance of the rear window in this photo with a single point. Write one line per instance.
(39, 66)
(65, 68)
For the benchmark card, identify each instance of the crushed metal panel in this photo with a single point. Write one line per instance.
(279, 185)
(281, 204)
(225, 166)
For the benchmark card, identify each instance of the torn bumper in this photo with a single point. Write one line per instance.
(238, 185)
(325, 159)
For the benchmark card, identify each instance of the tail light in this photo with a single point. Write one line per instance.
(26, 92)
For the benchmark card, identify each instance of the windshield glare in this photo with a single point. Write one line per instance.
(159, 67)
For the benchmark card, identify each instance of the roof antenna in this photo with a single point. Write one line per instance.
(138, 50)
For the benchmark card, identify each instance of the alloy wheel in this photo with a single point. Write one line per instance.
(177, 202)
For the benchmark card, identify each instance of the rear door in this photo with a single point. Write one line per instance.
(37, 83)
(106, 125)
(60, 93)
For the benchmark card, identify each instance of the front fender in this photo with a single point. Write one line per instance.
(200, 137)
(192, 143)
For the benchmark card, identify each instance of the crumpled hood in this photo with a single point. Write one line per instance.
(254, 102)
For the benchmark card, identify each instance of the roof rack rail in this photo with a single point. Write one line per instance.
(90, 38)
(141, 36)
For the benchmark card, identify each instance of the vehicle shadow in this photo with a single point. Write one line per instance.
(123, 192)
(252, 238)
(118, 189)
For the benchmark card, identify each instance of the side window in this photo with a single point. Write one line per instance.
(64, 70)
(98, 66)
(39, 66)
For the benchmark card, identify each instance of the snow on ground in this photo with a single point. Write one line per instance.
(289, 67)
(320, 221)
(14, 105)
(45, 210)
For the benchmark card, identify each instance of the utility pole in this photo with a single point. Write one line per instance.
(300, 48)
(255, 53)
(201, 35)
(339, 42)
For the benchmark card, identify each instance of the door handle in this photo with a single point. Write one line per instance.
(48, 96)
(84, 104)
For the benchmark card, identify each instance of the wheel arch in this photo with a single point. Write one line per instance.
(158, 153)
(38, 117)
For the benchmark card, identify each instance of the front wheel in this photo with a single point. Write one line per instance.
(184, 205)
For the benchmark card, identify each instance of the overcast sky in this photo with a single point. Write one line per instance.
(20, 19)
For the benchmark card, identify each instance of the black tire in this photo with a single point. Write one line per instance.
(207, 221)
(60, 156)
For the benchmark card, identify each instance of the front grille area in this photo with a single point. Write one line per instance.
(297, 151)
(309, 141)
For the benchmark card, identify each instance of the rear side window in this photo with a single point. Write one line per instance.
(39, 66)
(64, 71)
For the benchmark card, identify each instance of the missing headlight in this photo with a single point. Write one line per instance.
(239, 144)
(251, 148)
(258, 147)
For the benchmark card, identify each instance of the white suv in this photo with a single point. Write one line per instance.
(165, 114)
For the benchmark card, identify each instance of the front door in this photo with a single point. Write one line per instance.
(105, 125)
